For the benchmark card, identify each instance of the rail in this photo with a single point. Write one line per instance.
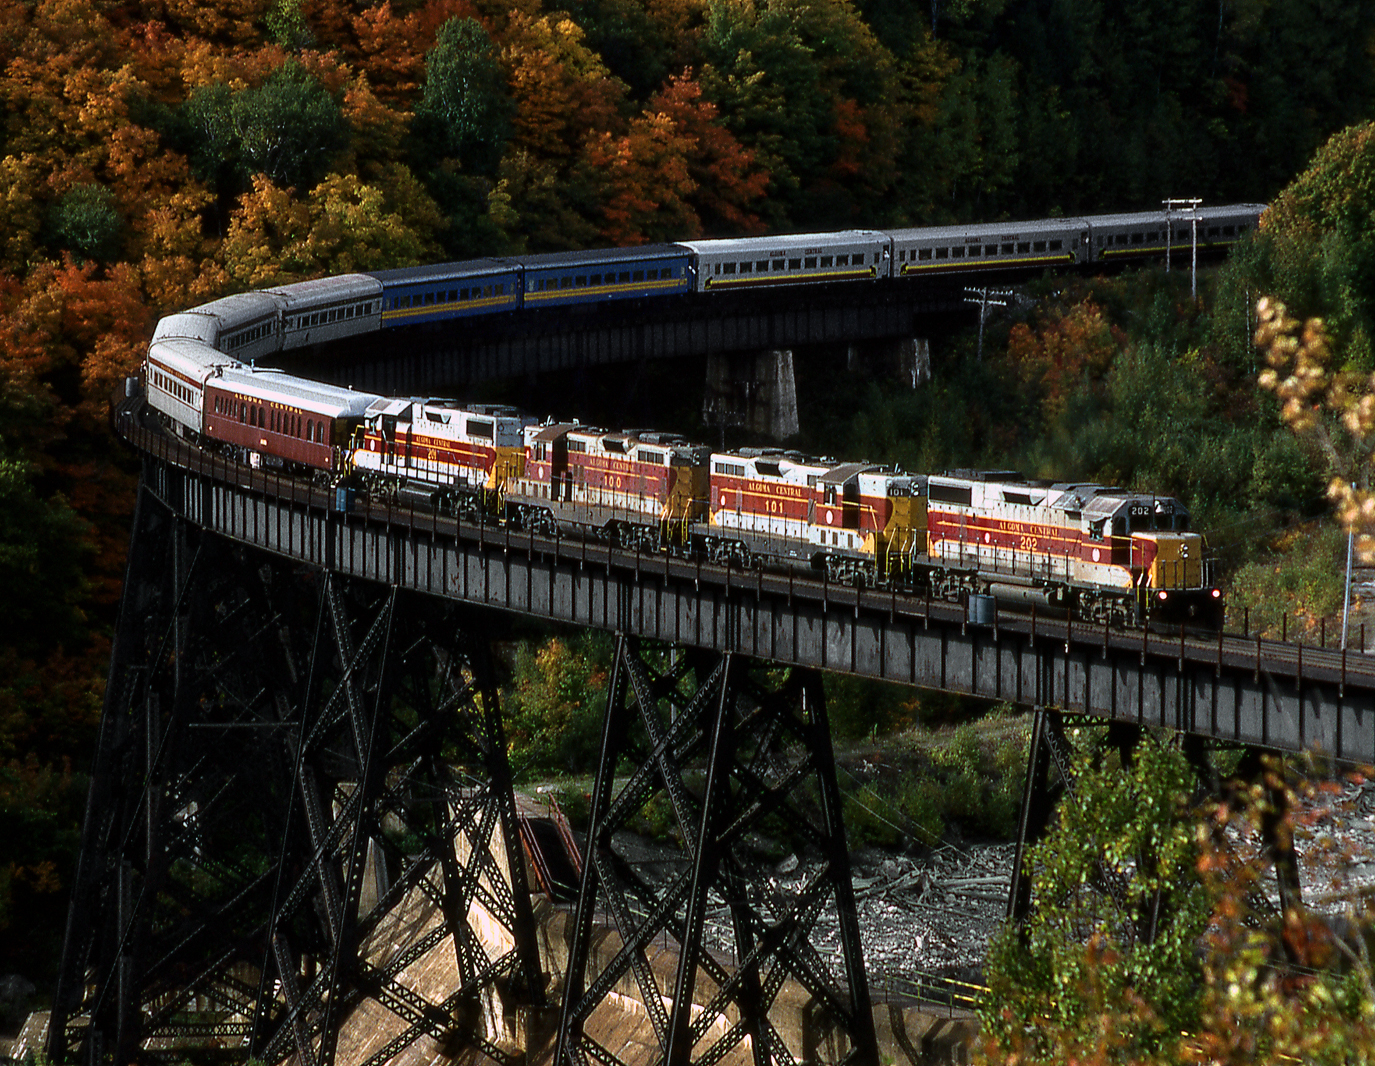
(920, 605)
(1286, 671)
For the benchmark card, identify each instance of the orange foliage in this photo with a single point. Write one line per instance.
(564, 95)
(65, 321)
(648, 174)
(384, 51)
(391, 48)
(729, 180)
(142, 173)
(157, 57)
(106, 324)
(237, 22)
(68, 335)
(1065, 345)
(205, 64)
(674, 165)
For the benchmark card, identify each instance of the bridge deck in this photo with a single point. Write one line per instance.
(1247, 690)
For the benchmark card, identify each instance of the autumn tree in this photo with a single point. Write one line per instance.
(564, 94)
(344, 225)
(389, 43)
(1066, 344)
(1314, 253)
(549, 192)
(675, 172)
(807, 87)
(729, 180)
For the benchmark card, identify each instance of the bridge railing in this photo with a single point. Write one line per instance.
(930, 990)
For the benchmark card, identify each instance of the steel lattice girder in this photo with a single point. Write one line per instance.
(736, 750)
(287, 762)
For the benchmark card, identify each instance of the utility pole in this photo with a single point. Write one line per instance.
(1346, 599)
(1191, 205)
(985, 298)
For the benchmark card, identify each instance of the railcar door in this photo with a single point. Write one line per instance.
(387, 431)
(560, 481)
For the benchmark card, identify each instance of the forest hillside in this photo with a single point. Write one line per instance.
(156, 154)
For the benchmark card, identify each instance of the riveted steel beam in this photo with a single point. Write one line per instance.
(274, 783)
(1233, 689)
(732, 750)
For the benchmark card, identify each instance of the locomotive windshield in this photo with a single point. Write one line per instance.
(1148, 516)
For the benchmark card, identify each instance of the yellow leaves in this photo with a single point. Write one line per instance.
(268, 223)
(379, 131)
(234, 21)
(345, 225)
(63, 111)
(20, 214)
(1332, 408)
(562, 90)
(73, 28)
(178, 268)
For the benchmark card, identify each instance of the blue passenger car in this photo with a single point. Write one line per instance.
(448, 290)
(606, 274)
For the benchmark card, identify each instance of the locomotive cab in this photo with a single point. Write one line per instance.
(1173, 576)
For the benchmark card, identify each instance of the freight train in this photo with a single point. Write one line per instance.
(1097, 552)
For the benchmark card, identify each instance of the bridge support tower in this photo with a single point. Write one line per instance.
(754, 390)
(300, 799)
(737, 755)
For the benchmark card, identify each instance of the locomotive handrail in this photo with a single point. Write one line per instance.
(1265, 656)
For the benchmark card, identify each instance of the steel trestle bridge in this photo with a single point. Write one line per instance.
(302, 749)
